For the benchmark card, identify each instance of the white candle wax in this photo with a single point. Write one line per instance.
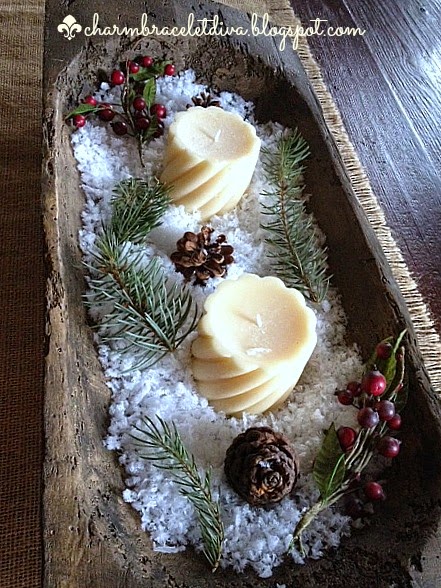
(209, 159)
(253, 344)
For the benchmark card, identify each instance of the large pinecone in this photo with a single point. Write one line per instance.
(197, 257)
(261, 466)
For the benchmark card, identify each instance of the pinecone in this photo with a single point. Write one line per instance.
(198, 257)
(261, 466)
(205, 100)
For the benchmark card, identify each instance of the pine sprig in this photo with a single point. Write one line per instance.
(140, 305)
(294, 245)
(168, 452)
(138, 207)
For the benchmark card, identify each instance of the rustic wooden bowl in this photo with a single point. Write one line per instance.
(92, 538)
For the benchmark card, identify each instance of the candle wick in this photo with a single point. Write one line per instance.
(259, 321)
(214, 138)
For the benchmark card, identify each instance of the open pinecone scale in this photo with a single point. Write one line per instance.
(199, 258)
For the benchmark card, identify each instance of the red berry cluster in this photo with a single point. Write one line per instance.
(137, 114)
(378, 419)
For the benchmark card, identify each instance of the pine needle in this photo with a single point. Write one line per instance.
(294, 245)
(169, 453)
(138, 206)
(141, 306)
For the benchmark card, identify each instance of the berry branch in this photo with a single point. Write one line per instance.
(345, 453)
(136, 114)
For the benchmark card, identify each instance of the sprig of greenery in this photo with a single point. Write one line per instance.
(138, 206)
(169, 453)
(135, 84)
(335, 471)
(141, 306)
(299, 260)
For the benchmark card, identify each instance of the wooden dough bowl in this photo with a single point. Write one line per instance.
(92, 538)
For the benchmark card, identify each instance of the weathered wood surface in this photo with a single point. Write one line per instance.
(91, 537)
(387, 85)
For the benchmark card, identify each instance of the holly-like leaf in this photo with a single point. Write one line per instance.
(147, 73)
(387, 367)
(329, 467)
(149, 92)
(83, 109)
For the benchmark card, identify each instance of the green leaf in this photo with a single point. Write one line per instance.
(387, 367)
(329, 467)
(149, 92)
(83, 109)
(147, 73)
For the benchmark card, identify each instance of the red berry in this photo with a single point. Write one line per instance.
(354, 507)
(119, 128)
(389, 447)
(90, 100)
(374, 383)
(117, 78)
(133, 67)
(355, 388)
(139, 103)
(374, 491)
(147, 61)
(394, 423)
(367, 418)
(346, 436)
(345, 397)
(384, 350)
(159, 110)
(142, 123)
(169, 70)
(106, 114)
(79, 120)
(159, 130)
(386, 410)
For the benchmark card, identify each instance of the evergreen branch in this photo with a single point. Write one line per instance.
(298, 258)
(140, 305)
(169, 453)
(138, 206)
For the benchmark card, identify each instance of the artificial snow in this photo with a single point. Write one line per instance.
(255, 537)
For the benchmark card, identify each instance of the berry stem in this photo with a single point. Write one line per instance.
(305, 520)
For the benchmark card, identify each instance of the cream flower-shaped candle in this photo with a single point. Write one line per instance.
(209, 159)
(253, 343)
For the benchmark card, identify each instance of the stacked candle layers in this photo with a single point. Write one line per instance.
(209, 159)
(253, 344)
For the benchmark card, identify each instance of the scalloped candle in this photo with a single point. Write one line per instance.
(253, 343)
(209, 159)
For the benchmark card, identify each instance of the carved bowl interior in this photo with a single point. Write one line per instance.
(92, 537)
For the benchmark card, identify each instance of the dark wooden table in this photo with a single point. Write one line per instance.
(387, 87)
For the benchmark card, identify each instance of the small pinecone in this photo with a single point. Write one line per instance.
(261, 466)
(205, 100)
(197, 257)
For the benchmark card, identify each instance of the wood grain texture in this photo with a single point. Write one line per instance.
(93, 539)
(387, 87)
